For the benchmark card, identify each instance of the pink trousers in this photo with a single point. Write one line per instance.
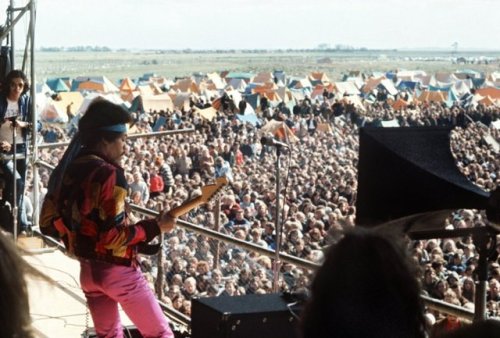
(105, 285)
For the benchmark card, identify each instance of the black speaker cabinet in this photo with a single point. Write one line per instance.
(249, 316)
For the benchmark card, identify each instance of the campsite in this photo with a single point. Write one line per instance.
(140, 85)
(119, 64)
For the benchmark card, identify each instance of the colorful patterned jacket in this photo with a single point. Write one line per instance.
(89, 213)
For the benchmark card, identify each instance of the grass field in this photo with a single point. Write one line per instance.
(116, 65)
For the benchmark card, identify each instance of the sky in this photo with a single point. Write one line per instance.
(263, 24)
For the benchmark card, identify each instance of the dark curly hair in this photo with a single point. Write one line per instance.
(15, 74)
(101, 113)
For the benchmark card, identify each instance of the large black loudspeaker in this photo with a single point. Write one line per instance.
(411, 171)
(249, 316)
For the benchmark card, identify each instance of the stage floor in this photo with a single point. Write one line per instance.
(57, 307)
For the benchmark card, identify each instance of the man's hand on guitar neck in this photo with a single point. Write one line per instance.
(166, 222)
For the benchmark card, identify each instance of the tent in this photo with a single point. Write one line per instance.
(156, 103)
(93, 83)
(388, 85)
(215, 79)
(186, 86)
(69, 101)
(238, 84)
(356, 101)
(91, 96)
(264, 77)
(399, 104)
(253, 100)
(407, 85)
(487, 101)
(250, 118)
(127, 85)
(53, 113)
(57, 85)
(428, 96)
(494, 93)
(410, 75)
(299, 94)
(302, 83)
(244, 76)
(99, 87)
(348, 88)
(207, 113)
(371, 84)
(280, 130)
(44, 89)
(319, 78)
(181, 100)
(285, 94)
(146, 90)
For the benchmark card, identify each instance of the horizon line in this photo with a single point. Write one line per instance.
(194, 50)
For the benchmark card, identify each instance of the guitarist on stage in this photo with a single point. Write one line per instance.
(85, 207)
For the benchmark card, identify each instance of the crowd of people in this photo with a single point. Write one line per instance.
(317, 201)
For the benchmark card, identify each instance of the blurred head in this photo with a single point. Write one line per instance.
(15, 318)
(365, 288)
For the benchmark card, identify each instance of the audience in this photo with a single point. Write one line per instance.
(318, 196)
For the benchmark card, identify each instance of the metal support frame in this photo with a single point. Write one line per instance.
(9, 32)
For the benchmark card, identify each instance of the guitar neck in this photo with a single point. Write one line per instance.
(186, 207)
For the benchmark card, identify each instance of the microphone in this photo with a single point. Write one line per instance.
(13, 120)
(271, 141)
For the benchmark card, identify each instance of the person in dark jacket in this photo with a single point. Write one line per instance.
(15, 112)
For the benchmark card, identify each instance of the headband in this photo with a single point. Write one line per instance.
(120, 128)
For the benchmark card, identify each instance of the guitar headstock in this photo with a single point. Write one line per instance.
(210, 190)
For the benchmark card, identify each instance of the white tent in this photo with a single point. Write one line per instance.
(389, 86)
(348, 88)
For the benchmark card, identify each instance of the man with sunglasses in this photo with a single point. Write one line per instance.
(15, 112)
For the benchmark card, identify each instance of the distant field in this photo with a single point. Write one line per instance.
(116, 65)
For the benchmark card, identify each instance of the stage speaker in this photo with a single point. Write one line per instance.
(406, 173)
(249, 316)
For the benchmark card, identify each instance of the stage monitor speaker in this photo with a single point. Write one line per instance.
(249, 316)
(411, 171)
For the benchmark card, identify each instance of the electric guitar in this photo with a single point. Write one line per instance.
(207, 193)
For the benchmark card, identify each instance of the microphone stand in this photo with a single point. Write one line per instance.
(277, 262)
(14, 180)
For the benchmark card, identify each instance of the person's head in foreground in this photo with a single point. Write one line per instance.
(365, 288)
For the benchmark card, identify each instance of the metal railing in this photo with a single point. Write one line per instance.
(130, 137)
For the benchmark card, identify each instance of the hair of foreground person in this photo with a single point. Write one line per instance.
(365, 288)
(15, 318)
